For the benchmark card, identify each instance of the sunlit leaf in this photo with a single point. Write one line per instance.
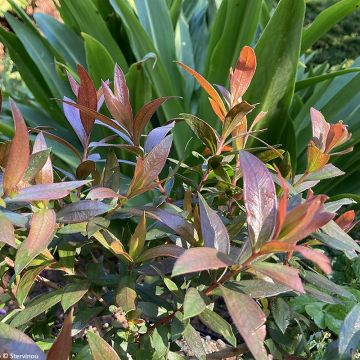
(7, 234)
(137, 240)
(100, 349)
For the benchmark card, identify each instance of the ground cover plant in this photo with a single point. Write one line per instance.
(225, 237)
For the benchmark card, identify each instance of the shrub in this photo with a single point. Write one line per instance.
(133, 262)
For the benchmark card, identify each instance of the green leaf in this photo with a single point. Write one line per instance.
(202, 130)
(281, 313)
(16, 344)
(100, 349)
(90, 21)
(62, 38)
(349, 337)
(36, 163)
(216, 323)
(194, 342)
(313, 80)
(26, 283)
(194, 304)
(326, 20)
(73, 293)
(274, 80)
(36, 307)
(99, 62)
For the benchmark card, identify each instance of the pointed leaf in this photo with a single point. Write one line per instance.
(102, 193)
(213, 230)
(73, 293)
(86, 97)
(61, 348)
(80, 211)
(200, 259)
(282, 274)
(42, 231)
(137, 240)
(317, 257)
(170, 250)
(248, 319)
(156, 135)
(243, 73)
(19, 153)
(100, 349)
(259, 197)
(45, 175)
(194, 304)
(349, 336)
(46, 191)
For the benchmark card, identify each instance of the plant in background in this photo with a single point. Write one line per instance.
(138, 262)
(206, 35)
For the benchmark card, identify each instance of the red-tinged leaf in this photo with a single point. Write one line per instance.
(7, 232)
(276, 246)
(137, 240)
(206, 86)
(249, 319)
(346, 220)
(46, 191)
(19, 153)
(61, 348)
(15, 344)
(213, 230)
(102, 118)
(282, 274)
(81, 211)
(87, 97)
(116, 108)
(60, 140)
(259, 198)
(4, 152)
(316, 159)
(239, 134)
(320, 128)
(216, 109)
(241, 77)
(121, 90)
(235, 116)
(72, 115)
(156, 135)
(175, 222)
(167, 250)
(282, 207)
(305, 219)
(102, 193)
(260, 116)
(45, 175)
(42, 231)
(73, 84)
(200, 259)
(148, 170)
(338, 135)
(321, 260)
(144, 115)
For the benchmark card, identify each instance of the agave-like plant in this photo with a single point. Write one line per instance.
(206, 35)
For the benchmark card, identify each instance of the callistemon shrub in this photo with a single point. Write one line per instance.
(95, 264)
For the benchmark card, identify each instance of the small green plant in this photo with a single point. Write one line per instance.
(133, 264)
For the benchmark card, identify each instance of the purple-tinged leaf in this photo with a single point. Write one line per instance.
(144, 115)
(73, 84)
(320, 128)
(42, 231)
(200, 259)
(80, 211)
(168, 250)
(72, 114)
(121, 90)
(213, 230)
(148, 169)
(156, 135)
(46, 191)
(326, 172)
(87, 97)
(248, 319)
(175, 222)
(19, 153)
(317, 257)
(7, 232)
(259, 198)
(131, 148)
(45, 175)
(16, 344)
(102, 193)
(282, 274)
